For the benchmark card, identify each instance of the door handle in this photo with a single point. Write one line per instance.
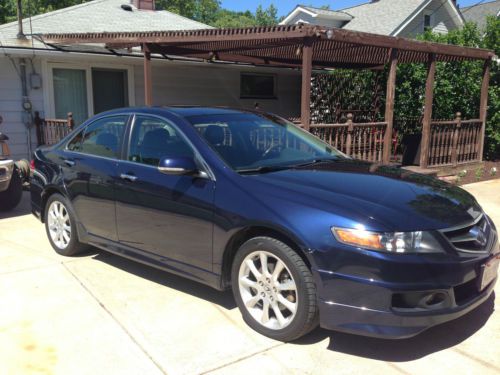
(69, 162)
(128, 177)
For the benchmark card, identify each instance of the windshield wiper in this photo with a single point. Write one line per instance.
(316, 161)
(264, 169)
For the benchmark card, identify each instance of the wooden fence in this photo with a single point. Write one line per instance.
(51, 131)
(454, 142)
(360, 140)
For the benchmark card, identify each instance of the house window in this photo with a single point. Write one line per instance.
(427, 21)
(261, 86)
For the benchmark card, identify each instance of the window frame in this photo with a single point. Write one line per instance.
(85, 126)
(254, 74)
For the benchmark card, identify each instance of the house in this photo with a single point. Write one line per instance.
(88, 79)
(478, 13)
(404, 18)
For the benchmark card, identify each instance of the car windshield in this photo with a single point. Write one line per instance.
(250, 142)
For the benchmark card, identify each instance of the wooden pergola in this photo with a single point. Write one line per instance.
(312, 47)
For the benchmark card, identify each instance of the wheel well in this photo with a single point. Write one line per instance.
(244, 235)
(45, 197)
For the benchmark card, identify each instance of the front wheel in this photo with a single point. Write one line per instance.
(274, 289)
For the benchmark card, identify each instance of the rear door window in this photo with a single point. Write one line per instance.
(103, 137)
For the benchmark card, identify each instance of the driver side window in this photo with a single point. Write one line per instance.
(154, 138)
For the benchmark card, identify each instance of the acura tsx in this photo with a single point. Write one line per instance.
(303, 234)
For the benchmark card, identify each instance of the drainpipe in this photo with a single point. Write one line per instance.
(27, 117)
(20, 33)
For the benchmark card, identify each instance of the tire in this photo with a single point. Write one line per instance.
(289, 292)
(60, 225)
(11, 197)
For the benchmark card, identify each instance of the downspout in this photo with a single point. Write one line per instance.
(27, 115)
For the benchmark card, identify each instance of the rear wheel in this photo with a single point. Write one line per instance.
(60, 225)
(11, 197)
(274, 289)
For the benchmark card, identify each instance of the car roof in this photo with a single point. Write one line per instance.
(182, 111)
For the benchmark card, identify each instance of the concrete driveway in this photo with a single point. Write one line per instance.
(101, 314)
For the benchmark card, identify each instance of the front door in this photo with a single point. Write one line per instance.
(167, 215)
(89, 167)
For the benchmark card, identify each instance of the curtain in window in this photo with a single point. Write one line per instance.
(70, 94)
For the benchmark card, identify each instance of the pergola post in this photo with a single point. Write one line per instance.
(483, 106)
(426, 121)
(389, 104)
(148, 85)
(305, 101)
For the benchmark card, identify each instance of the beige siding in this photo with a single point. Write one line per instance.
(11, 107)
(216, 85)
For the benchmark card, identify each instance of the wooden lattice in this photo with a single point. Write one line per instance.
(342, 91)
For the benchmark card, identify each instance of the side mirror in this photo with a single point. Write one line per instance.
(182, 165)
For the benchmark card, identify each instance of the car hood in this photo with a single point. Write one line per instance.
(379, 196)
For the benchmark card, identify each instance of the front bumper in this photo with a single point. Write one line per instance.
(373, 306)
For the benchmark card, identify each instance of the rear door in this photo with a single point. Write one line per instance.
(167, 215)
(89, 168)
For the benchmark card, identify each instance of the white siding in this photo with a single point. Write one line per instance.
(11, 106)
(173, 83)
(216, 85)
(307, 18)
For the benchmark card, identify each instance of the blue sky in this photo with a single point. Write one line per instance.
(285, 6)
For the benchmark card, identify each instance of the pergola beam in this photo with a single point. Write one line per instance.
(483, 105)
(305, 96)
(389, 104)
(426, 121)
(148, 83)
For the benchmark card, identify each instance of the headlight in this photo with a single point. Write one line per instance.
(396, 242)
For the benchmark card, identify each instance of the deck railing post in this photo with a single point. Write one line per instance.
(305, 101)
(350, 129)
(483, 107)
(71, 121)
(39, 129)
(148, 85)
(426, 121)
(389, 104)
(456, 134)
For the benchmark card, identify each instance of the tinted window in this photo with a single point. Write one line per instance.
(102, 138)
(247, 141)
(153, 139)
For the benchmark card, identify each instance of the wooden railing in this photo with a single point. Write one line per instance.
(51, 131)
(454, 142)
(360, 140)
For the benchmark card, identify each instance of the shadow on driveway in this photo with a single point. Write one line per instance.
(23, 208)
(435, 339)
(223, 299)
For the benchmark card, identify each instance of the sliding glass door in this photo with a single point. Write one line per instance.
(70, 94)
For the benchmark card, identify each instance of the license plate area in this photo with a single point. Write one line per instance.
(488, 272)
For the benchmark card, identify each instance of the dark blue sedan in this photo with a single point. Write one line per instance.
(303, 234)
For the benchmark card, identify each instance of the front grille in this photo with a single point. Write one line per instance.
(477, 236)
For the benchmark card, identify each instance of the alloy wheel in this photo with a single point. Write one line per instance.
(59, 225)
(268, 290)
